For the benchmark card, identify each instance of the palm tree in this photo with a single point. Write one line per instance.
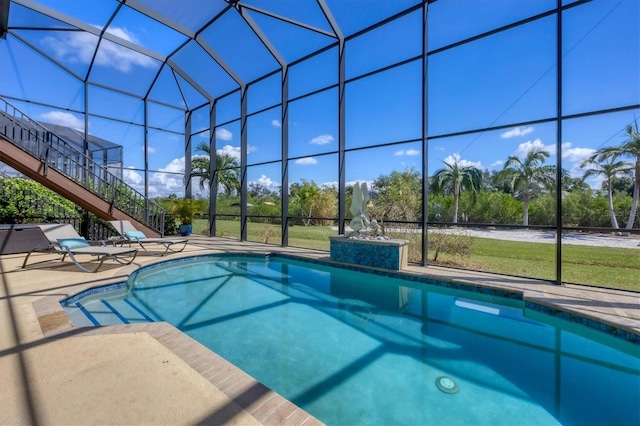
(226, 172)
(527, 177)
(629, 148)
(458, 179)
(610, 170)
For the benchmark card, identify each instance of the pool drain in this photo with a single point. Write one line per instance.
(447, 384)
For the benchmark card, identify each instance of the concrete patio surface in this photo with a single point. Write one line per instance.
(52, 373)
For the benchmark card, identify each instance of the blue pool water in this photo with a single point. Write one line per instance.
(356, 348)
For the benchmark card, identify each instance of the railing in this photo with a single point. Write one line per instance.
(56, 153)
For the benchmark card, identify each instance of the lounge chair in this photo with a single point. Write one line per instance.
(132, 235)
(64, 240)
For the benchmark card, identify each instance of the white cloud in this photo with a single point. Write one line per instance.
(150, 150)
(79, 47)
(132, 177)
(524, 148)
(409, 152)
(223, 134)
(175, 166)
(168, 180)
(276, 123)
(232, 151)
(63, 119)
(306, 161)
(72, 46)
(455, 158)
(160, 185)
(204, 134)
(163, 184)
(198, 192)
(196, 156)
(517, 131)
(322, 140)
(123, 34)
(575, 154)
(497, 163)
(265, 180)
(123, 59)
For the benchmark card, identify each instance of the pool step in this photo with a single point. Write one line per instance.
(107, 312)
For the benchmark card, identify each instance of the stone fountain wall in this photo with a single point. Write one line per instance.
(386, 254)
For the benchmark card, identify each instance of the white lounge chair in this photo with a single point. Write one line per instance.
(132, 235)
(64, 240)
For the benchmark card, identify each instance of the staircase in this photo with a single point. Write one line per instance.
(34, 151)
(112, 311)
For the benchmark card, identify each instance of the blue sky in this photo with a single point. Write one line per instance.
(503, 79)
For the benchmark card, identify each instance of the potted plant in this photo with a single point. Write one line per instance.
(185, 209)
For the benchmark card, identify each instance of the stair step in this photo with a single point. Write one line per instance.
(80, 316)
(130, 312)
(95, 311)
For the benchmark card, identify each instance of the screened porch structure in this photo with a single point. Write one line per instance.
(272, 109)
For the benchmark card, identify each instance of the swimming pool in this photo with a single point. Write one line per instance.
(357, 348)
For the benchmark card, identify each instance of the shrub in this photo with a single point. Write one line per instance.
(408, 232)
(24, 200)
(267, 233)
(456, 243)
(496, 207)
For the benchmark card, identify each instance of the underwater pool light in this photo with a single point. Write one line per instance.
(447, 384)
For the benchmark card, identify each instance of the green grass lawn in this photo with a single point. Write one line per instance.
(606, 267)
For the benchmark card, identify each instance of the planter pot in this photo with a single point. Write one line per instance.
(186, 229)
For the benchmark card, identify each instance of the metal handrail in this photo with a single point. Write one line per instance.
(56, 153)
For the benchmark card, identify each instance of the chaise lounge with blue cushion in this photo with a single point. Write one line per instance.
(64, 240)
(132, 235)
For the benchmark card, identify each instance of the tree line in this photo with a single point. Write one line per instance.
(522, 192)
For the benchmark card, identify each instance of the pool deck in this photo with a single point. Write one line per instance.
(152, 373)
